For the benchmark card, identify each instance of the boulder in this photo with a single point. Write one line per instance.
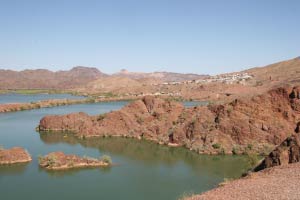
(287, 152)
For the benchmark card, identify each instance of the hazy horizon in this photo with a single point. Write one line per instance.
(201, 37)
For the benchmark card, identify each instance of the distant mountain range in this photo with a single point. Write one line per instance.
(87, 78)
(45, 79)
(79, 76)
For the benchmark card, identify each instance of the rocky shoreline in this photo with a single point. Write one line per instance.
(255, 124)
(61, 161)
(14, 107)
(14, 155)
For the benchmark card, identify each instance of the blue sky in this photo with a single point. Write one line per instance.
(196, 36)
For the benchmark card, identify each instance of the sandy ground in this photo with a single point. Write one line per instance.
(281, 182)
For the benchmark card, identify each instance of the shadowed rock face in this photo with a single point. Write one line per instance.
(287, 152)
(297, 130)
(258, 121)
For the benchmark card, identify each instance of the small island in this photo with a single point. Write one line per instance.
(61, 161)
(14, 155)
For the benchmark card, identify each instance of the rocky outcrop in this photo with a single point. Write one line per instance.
(287, 152)
(14, 155)
(246, 124)
(61, 161)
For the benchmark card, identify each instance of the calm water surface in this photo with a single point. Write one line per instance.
(145, 170)
(195, 103)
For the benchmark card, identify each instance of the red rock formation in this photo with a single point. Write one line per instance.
(247, 123)
(287, 152)
(61, 161)
(14, 155)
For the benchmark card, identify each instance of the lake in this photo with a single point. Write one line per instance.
(144, 170)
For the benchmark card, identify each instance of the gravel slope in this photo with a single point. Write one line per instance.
(281, 182)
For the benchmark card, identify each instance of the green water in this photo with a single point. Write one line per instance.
(144, 170)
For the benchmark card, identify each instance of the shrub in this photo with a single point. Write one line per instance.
(100, 117)
(216, 145)
(229, 110)
(40, 158)
(140, 120)
(89, 158)
(252, 159)
(70, 163)
(90, 100)
(222, 151)
(267, 149)
(51, 160)
(250, 146)
(23, 108)
(186, 195)
(225, 181)
(106, 159)
(234, 150)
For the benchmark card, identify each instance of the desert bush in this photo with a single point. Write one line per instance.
(140, 120)
(70, 163)
(106, 159)
(216, 145)
(225, 181)
(40, 159)
(253, 159)
(234, 150)
(222, 151)
(100, 117)
(186, 195)
(51, 160)
(22, 108)
(250, 146)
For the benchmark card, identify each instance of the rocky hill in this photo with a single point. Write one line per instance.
(285, 72)
(118, 85)
(257, 123)
(162, 76)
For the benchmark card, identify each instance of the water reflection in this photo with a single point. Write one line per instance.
(149, 153)
(70, 172)
(13, 169)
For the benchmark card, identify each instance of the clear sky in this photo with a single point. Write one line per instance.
(197, 36)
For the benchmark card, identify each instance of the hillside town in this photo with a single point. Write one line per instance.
(223, 78)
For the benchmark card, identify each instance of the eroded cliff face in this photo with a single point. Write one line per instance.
(244, 124)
